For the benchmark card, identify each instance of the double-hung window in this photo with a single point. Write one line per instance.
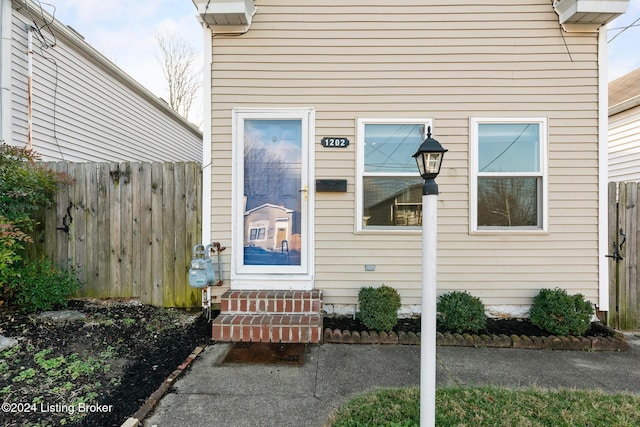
(389, 186)
(508, 174)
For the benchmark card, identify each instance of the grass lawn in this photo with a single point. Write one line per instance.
(491, 407)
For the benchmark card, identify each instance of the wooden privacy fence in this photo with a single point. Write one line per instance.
(624, 249)
(128, 228)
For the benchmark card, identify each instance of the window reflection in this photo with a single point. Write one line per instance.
(272, 180)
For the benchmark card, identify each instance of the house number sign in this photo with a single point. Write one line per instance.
(334, 142)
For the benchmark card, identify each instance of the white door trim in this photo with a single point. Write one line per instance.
(272, 277)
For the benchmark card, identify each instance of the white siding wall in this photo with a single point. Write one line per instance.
(624, 145)
(86, 111)
(445, 60)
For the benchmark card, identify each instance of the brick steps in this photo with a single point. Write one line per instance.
(269, 316)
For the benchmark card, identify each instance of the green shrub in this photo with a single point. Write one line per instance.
(461, 312)
(25, 185)
(42, 286)
(379, 307)
(561, 314)
(11, 249)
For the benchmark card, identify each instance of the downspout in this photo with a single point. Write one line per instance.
(603, 171)
(5, 71)
(206, 134)
(208, 33)
(29, 88)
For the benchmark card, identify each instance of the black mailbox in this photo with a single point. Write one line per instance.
(331, 185)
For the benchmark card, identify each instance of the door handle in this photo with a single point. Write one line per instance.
(305, 190)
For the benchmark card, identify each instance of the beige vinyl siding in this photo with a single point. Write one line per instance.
(85, 108)
(624, 144)
(447, 61)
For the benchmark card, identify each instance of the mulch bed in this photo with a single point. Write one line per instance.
(503, 333)
(142, 345)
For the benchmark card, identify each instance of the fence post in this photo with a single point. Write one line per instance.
(622, 270)
(157, 189)
(613, 319)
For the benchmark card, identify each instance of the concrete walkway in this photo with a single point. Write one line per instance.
(213, 394)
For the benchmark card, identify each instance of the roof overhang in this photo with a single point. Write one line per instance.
(588, 15)
(624, 106)
(226, 16)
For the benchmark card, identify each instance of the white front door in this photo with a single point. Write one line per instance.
(272, 239)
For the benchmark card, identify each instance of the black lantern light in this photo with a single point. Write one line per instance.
(429, 157)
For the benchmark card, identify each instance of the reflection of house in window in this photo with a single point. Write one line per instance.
(267, 226)
(392, 201)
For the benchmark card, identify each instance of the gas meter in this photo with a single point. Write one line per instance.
(201, 272)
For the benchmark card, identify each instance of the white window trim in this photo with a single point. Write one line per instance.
(360, 124)
(543, 174)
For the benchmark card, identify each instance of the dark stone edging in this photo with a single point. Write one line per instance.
(152, 401)
(596, 343)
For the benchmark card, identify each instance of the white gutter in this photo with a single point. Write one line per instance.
(603, 172)
(5, 71)
(624, 106)
(206, 135)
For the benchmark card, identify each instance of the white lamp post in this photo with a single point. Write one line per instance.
(429, 159)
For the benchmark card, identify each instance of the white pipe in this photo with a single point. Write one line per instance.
(5, 71)
(29, 88)
(428, 315)
(603, 172)
(206, 136)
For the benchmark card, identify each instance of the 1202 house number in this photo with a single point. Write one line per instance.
(332, 141)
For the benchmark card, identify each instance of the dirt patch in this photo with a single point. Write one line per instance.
(95, 371)
(266, 353)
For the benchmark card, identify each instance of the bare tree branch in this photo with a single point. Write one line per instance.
(177, 59)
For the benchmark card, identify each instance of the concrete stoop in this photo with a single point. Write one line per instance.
(269, 316)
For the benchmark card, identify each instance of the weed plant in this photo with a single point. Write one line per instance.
(42, 286)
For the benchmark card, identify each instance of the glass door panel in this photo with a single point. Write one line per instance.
(273, 192)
